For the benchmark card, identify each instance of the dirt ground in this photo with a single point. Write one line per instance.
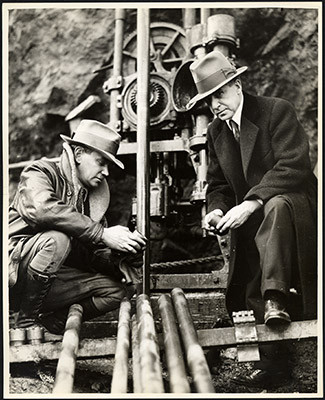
(94, 376)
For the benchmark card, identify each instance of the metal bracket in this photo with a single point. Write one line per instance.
(113, 83)
(246, 336)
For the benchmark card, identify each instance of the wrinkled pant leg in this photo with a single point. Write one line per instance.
(275, 241)
(274, 357)
(95, 292)
(43, 254)
(72, 286)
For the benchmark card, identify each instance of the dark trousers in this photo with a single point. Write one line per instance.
(265, 257)
(53, 253)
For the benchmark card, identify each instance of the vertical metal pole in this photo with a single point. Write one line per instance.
(117, 66)
(143, 165)
(188, 19)
(205, 14)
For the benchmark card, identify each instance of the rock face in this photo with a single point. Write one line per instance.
(53, 52)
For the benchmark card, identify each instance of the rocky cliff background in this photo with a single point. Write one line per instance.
(53, 53)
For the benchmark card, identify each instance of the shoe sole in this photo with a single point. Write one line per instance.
(277, 321)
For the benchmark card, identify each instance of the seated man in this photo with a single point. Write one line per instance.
(61, 250)
(261, 188)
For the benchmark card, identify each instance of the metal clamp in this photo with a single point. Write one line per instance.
(113, 83)
(246, 336)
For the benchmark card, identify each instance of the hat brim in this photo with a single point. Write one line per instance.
(105, 154)
(201, 96)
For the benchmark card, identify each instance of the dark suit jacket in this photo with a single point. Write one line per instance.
(273, 159)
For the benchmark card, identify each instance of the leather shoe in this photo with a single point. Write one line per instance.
(275, 311)
(261, 378)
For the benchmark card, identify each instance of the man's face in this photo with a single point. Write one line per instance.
(225, 101)
(92, 168)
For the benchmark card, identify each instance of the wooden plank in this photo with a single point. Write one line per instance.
(213, 280)
(89, 348)
(225, 337)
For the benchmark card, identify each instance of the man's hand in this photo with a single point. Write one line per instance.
(120, 238)
(212, 218)
(237, 215)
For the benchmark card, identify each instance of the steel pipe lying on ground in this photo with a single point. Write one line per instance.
(150, 368)
(136, 374)
(174, 356)
(121, 363)
(67, 361)
(194, 353)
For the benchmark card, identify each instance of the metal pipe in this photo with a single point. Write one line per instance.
(135, 356)
(188, 18)
(150, 368)
(194, 352)
(67, 361)
(121, 362)
(143, 154)
(204, 15)
(173, 350)
(188, 22)
(117, 66)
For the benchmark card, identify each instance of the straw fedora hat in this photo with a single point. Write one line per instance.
(210, 73)
(98, 137)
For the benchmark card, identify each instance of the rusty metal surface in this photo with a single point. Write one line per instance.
(120, 371)
(136, 374)
(64, 378)
(172, 345)
(194, 354)
(213, 280)
(150, 367)
(246, 336)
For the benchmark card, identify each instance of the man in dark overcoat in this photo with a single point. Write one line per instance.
(260, 187)
(61, 249)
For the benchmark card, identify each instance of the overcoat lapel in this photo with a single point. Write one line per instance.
(248, 135)
(229, 158)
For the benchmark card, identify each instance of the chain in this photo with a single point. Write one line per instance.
(185, 263)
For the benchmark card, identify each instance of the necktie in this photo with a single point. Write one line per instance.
(235, 130)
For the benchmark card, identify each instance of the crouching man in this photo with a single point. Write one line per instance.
(61, 250)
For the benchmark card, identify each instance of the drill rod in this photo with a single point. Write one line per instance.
(120, 371)
(194, 353)
(67, 361)
(174, 356)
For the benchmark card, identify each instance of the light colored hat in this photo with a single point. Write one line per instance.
(98, 137)
(210, 73)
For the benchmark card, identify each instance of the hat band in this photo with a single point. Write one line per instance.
(214, 80)
(96, 141)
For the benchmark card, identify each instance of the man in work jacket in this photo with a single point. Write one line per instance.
(261, 188)
(61, 250)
